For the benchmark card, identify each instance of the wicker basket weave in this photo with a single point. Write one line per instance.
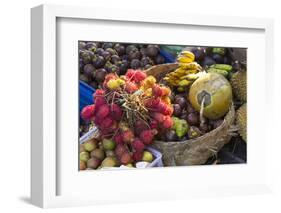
(195, 151)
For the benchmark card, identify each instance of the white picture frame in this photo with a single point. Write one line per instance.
(45, 178)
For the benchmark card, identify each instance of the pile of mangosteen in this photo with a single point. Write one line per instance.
(96, 59)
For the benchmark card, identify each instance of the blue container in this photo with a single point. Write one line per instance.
(169, 58)
(85, 95)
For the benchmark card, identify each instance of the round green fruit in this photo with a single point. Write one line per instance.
(90, 145)
(147, 156)
(108, 144)
(109, 162)
(84, 156)
(216, 92)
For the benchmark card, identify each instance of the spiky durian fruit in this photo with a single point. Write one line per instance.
(241, 121)
(239, 85)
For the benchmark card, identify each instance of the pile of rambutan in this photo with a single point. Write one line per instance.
(130, 109)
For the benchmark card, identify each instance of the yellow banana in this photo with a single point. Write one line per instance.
(190, 66)
(183, 59)
(188, 54)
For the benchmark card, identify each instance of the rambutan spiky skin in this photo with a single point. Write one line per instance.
(153, 124)
(130, 74)
(88, 112)
(168, 122)
(139, 76)
(137, 156)
(157, 90)
(128, 136)
(120, 149)
(139, 127)
(135, 75)
(106, 123)
(130, 87)
(147, 136)
(118, 138)
(126, 158)
(138, 145)
(99, 92)
(159, 117)
(99, 101)
(116, 111)
(102, 111)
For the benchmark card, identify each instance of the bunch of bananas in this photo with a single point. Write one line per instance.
(187, 72)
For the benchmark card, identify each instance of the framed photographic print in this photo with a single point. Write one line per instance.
(148, 105)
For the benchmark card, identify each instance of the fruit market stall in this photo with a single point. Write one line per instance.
(158, 105)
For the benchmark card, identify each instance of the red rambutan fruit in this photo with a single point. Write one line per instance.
(168, 122)
(126, 158)
(153, 124)
(138, 145)
(147, 136)
(120, 149)
(102, 111)
(127, 136)
(157, 90)
(130, 87)
(159, 117)
(116, 111)
(99, 101)
(137, 156)
(107, 123)
(130, 74)
(98, 120)
(140, 126)
(118, 138)
(88, 112)
(139, 76)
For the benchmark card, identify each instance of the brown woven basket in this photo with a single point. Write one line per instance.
(195, 151)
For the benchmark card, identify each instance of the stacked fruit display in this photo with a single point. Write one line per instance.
(97, 59)
(129, 111)
(98, 154)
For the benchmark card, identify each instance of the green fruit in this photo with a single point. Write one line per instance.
(216, 92)
(239, 85)
(241, 121)
(90, 145)
(219, 71)
(108, 144)
(93, 163)
(98, 153)
(225, 67)
(109, 162)
(84, 156)
(219, 50)
(81, 148)
(180, 126)
(147, 156)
